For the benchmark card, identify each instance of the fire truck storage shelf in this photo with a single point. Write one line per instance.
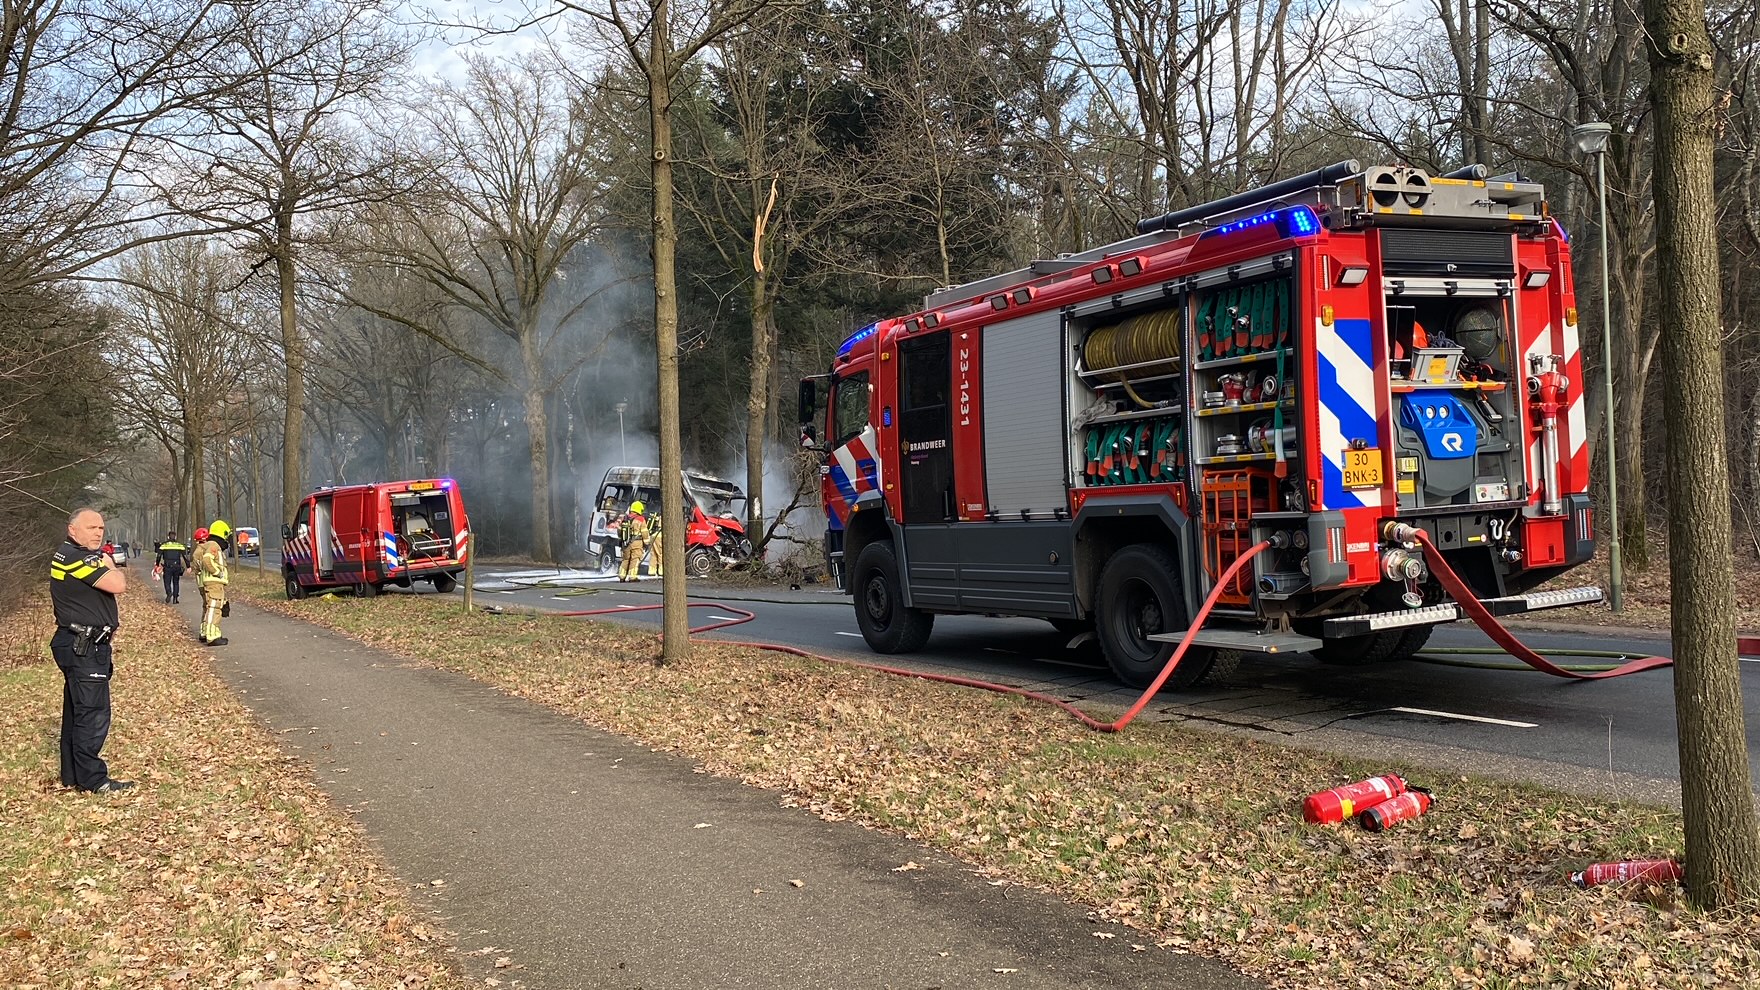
(1113, 382)
(1240, 359)
(1245, 407)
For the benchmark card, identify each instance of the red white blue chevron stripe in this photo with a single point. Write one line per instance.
(1347, 407)
(854, 468)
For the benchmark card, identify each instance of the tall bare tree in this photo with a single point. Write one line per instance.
(772, 190)
(1717, 799)
(660, 39)
(181, 341)
(283, 148)
(504, 233)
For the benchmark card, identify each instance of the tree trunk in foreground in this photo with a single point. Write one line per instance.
(1717, 799)
(676, 633)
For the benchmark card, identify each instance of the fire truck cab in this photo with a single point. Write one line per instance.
(1326, 364)
(365, 537)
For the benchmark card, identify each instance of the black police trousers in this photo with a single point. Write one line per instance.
(85, 711)
(172, 580)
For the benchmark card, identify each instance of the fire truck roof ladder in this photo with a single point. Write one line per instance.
(1328, 176)
(1348, 194)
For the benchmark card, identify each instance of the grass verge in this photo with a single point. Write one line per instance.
(1192, 838)
(225, 867)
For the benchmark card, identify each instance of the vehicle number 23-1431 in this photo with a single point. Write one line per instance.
(1362, 468)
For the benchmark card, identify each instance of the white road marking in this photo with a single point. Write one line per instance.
(856, 635)
(1468, 718)
(1750, 659)
(630, 606)
(729, 618)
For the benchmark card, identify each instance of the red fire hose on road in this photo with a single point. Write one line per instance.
(1463, 596)
(1482, 617)
(1081, 716)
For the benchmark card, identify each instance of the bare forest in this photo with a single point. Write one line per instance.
(252, 249)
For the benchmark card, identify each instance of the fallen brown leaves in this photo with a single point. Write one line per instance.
(1647, 593)
(225, 867)
(1194, 839)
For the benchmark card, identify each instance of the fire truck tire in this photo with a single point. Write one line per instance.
(444, 583)
(366, 589)
(887, 625)
(699, 562)
(294, 591)
(1140, 596)
(1360, 651)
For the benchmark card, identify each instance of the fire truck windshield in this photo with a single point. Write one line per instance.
(850, 403)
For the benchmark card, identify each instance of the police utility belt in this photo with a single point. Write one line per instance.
(85, 637)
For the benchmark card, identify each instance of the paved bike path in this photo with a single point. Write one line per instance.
(589, 861)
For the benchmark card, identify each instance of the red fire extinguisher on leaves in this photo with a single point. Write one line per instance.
(1391, 812)
(1348, 801)
(1629, 871)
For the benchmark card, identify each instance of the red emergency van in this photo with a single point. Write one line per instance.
(365, 537)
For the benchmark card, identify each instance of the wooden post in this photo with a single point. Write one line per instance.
(470, 579)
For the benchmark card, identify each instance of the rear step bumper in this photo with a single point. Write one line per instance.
(1533, 601)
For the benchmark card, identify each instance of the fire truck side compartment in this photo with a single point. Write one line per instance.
(1025, 423)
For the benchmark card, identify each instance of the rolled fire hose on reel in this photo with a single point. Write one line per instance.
(1140, 340)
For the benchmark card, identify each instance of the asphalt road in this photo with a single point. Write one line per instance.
(1615, 735)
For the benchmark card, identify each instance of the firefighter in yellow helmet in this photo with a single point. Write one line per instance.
(633, 531)
(212, 578)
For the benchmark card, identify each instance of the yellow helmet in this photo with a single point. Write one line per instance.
(637, 507)
(219, 530)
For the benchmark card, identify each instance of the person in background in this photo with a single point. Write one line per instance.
(608, 520)
(83, 585)
(656, 525)
(212, 578)
(171, 559)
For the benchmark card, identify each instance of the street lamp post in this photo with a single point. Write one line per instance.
(623, 451)
(1591, 139)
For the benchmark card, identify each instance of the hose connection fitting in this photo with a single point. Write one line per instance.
(1400, 564)
(1403, 534)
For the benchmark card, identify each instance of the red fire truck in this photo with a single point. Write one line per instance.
(365, 537)
(1326, 363)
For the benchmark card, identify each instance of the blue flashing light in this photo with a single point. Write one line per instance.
(857, 337)
(1295, 221)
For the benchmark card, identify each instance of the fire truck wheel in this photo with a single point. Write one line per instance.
(366, 589)
(698, 562)
(1139, 597)
(1359, 651)
(887, 625)
(444, 583)
(294, 591)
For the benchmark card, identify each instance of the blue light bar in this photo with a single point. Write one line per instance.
(857, 337)
(1296, 221)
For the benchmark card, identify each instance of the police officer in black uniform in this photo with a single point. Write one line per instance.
(83, 584)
